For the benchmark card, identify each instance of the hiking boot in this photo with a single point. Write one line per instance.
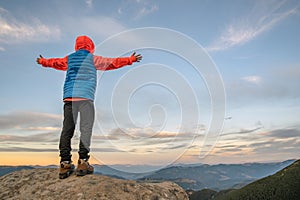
(84, 168)
(66, 169)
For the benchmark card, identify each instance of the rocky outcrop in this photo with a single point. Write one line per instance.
(44, 184)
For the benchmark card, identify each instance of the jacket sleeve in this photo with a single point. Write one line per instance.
(56, 63)
(102, 63)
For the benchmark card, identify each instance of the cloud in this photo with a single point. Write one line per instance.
(30, 121)
(288, 147)
(145, 140)
(280, 83)
(148, 134)
(43, 128)
(38, 149)
(264, 16)
(167, 134)
(276, 139)
(177, 146)
(41, 142)
(104, 149)
(146, 10)
(2, 49)
(285, 133)
(26, 149)
(258, 136)
(89, 3)
(137, 9)
(242, 131)
(13, 30)
(249, 130)
(97, 26)
(41, 137)
(264, 145)
(252, 79)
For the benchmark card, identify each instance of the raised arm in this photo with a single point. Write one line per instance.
(56, 63)
(102, 63)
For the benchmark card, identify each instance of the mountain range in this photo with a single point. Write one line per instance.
(216, 177)
(190, 177)
(285, 184)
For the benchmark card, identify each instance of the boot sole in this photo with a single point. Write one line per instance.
(83, 172)
(66, 175)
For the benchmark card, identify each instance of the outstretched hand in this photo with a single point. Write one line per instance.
(138, 57)
(38, 60)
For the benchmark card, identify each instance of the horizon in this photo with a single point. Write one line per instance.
(96, 162)
(218, 82)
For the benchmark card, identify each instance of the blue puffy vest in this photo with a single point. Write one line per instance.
(81, 76)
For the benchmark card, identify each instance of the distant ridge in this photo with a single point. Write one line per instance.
(285, 185)
(216, 177)
(188, 176)
(8, 169)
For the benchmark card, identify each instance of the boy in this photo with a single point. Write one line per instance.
(79, 91)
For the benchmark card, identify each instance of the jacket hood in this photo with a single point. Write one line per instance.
(84, 42)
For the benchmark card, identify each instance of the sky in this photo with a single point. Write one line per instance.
(218, 82)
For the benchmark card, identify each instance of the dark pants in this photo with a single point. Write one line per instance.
(87, 115)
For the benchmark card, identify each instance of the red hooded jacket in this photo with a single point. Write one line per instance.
(101, 63)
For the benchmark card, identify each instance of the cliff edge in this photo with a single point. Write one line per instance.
(45, 184)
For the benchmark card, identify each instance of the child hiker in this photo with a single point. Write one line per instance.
(78, 96)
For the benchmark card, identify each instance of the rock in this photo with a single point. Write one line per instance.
(45, 184)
